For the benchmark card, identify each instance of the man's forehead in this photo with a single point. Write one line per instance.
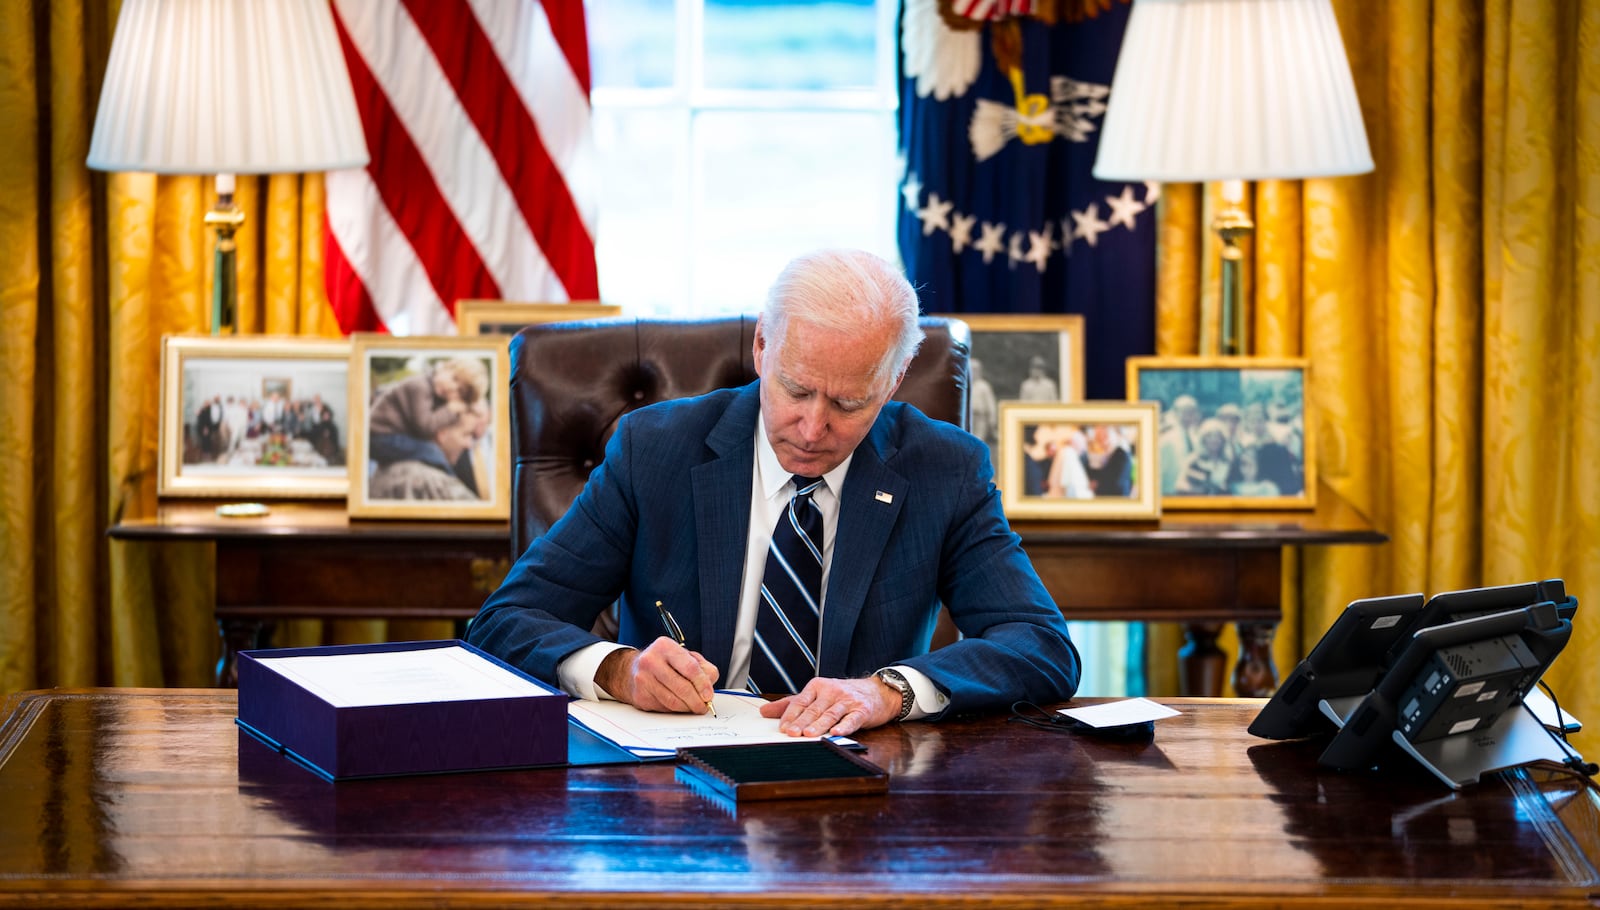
(804, 377)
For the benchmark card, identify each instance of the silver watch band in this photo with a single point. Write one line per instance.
(897, 680)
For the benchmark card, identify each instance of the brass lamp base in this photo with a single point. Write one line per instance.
(226, 217)
(1233, 225)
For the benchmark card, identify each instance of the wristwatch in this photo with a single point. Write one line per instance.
(895, 680)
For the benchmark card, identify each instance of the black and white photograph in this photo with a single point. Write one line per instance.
(1234, 430)
(1031, 358)
(265, 417)
(431, 425)
(1081, 460)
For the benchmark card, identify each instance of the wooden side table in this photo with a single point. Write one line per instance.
(308, 560)
(1201, 569)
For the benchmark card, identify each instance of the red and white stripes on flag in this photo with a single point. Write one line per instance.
(481, 185)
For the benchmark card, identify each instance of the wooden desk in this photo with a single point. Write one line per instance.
(308, 560)
(154, 799)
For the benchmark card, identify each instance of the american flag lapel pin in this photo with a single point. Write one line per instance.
(884, 497)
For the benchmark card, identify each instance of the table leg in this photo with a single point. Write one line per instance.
(1200, 661)
(238, 635)
(1255, 675)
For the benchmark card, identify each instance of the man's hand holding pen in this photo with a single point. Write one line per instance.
(665, 677)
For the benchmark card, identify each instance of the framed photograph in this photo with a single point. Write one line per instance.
(1088, 460)
(261, 417)
(1032, 358)
(503, 317)
(431, 427)
(1234, 430)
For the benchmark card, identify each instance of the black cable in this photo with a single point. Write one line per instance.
(1561, 718)
(1574, 761)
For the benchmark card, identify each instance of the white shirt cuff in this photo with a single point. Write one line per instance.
(576, 671)
(929, 699)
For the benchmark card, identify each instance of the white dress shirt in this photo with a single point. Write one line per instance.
(771, 490)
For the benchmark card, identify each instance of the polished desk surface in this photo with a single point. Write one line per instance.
(154, 798)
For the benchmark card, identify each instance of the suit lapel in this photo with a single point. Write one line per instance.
(722, 523)
(865, 520)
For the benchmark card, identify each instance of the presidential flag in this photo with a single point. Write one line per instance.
(1000, 113)
(481, 183)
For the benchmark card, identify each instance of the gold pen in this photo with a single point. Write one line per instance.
(676, 632)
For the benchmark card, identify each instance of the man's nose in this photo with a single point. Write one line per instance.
(814, 419)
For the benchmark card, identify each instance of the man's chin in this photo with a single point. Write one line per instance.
(807, 465)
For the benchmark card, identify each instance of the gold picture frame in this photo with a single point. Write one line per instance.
(1020, 357)
(1258, 405)
(253, 417)
(1090, 460)
(505, 317)
(431, 427)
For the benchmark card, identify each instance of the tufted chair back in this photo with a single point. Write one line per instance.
(572, 381)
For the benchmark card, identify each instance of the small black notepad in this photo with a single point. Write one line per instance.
(780, 770)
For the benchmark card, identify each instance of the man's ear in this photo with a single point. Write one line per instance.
(759, 345)
(899, 378)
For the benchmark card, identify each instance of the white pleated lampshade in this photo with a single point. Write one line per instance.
(226, 86)
(1232, 90)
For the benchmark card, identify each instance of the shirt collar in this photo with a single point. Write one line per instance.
(771, 476)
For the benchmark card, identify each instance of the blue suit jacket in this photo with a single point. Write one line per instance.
(666, 515)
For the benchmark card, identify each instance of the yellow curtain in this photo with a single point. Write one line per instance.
(95, 270)
(1449, 304)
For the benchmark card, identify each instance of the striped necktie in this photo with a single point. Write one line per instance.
(789, 616)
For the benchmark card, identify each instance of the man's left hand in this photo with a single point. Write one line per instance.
(835, 707)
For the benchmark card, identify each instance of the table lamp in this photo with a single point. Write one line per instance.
(1232, 90)
(226, 88)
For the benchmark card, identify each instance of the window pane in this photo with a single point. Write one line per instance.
(631, 43)
(777, 184)
(772, 44)
(640, 248)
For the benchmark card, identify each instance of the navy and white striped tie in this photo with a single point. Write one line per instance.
(789, 616)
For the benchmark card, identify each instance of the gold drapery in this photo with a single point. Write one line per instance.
(1449, 304)
(96, 269)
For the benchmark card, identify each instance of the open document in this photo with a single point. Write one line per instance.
(650, 735)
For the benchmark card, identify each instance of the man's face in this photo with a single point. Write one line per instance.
(819, 396)
(460, 436)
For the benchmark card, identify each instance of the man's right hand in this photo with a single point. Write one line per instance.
(663, 677)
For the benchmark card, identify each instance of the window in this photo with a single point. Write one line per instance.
(734, 135)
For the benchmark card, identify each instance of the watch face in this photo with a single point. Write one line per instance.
(901, 684)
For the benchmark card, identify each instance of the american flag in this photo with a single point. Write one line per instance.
(477, 116)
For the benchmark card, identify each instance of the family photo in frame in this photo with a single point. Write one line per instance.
(431, 427)
(257, 417)
(1234, 430)
(1085, 460)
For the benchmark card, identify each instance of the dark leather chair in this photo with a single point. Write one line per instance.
(572, 381)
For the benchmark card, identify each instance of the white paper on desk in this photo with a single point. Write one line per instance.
(1119, 713)
(401, 677)
(738, 722)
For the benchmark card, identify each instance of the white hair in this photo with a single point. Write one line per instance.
(846, 291)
